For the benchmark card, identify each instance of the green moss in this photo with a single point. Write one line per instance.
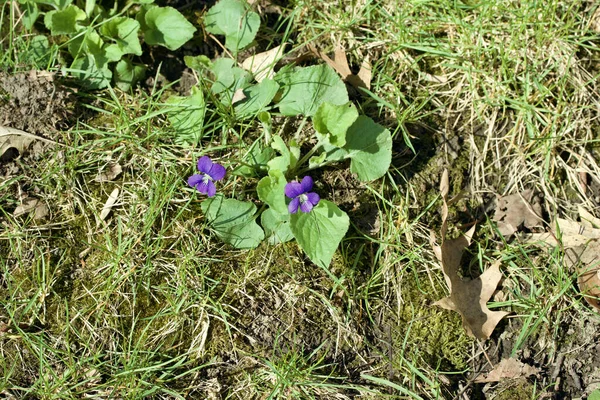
(434, 334)
(519, 389)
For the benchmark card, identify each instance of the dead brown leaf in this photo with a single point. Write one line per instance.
(18, 139)
(31, 204)
(468, 297)
(340, 64)
(581, 243)
(509, 368)
(109, 174)
(262, 64)
(517, 210)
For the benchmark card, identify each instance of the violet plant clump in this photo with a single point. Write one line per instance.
(209, 172)
(301, 195)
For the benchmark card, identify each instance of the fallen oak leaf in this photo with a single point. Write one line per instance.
(340, 65)
(17, 139)
(508, 368)
(581, 243)
(30, 204)
(517, 210)
(468, 297)
(110, 174)
(262, 65)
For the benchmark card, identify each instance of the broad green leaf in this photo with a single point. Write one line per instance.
(90, 5)
(57, 4)
(255, 161)
(64, 21)
(233, 221)
(124, 33)
(369, 146)
(258, 97)
(334, 120)
(228, 79)
(92, 75)
(30, 14)
(39, 51)
(287, 159)
(128, 74)
(88, 43)
(234, 20)
(595, 395)
(276, 226)
(305, 89)
(188, 115)
(320, 231)
(270, 190)
(165, 26)
(198, 63)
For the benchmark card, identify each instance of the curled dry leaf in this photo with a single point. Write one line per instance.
(581, 243)
(30, 204)
(262, 64)
(340, 64)
(110, 202)
(109, 174)
(468, 297)
(516, 210)
(509, 368)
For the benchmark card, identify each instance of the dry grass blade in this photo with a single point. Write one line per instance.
(110, 202)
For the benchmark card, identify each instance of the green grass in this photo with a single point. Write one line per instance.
(148, 303)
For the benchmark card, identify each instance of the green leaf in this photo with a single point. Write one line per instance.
(30, 15)
(233, 221)
(235, 20)
(320, 231)
(188, 115)
(334, 120)
(228, 79)
(198, 63)
(128, 74)
(256, 161)
(271, 188)
(276, 226)
(595, 395)
(305, 89)
(257, 98)
(92, 74)
(58, 4)
(123, 32)
(369, 146)
(287, 159)
(89, 43)
(39, 51)
(165, 26)
(64, 21)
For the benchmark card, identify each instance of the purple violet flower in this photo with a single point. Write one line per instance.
(210, 172)
(301, 195)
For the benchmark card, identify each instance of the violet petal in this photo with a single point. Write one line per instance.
(204, 164)
(293, 189)
(293, 206)
(307, 184)
(313, 198)
(306, 206)
(217, 172)
(194, 180)
(202, 187)
(211, 190)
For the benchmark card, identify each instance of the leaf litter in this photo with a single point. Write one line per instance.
(518, 210)
(508, 368)
(340, 63)
(581, 244)
(468, 297)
